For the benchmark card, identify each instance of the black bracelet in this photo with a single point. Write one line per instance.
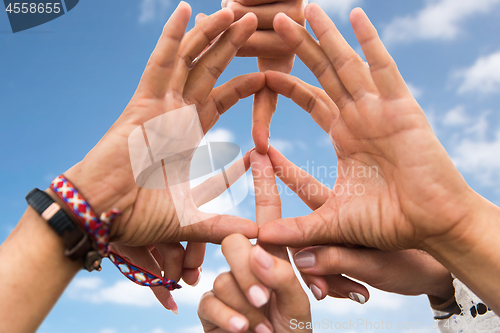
(79, 246)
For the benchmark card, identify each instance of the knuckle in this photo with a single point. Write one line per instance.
(332, 260)
(222, 281)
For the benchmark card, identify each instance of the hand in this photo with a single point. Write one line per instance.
(272, 54)
(257, 277)
(326, 269)
(405, 272)
(404, 190)
(171, 80)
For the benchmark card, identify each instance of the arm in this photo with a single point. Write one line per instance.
(34, 274)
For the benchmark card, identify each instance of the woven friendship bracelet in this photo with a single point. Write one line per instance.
(99, 229)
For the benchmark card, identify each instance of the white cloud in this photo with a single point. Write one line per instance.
(150, 10)
(220, 135)
(283, 146)
(192, 329)
(417, 92)
(439, 20)
(456, 117)
(158, 330)
(339, 8)
(108, 330)
(483, 77)
(479, 158)
(125, 292)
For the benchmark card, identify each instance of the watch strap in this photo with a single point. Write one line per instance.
(78, 244)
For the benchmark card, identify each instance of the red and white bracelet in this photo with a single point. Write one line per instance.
(99, 229)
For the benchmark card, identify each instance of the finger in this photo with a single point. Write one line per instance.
(199, 17)
(170, 258)
(267, 198)
(336, 286)
(264, 106)
(383, 69)
(312, 99)
(312, 192)
(193, 43)
(215, 229)
(314, 57)
(161, 63)
(227, 290)
(225, 96)
(213, 313)
(210, 66)
(344, 287)
(265, 44)
(267, 12)
(278, 275)
(234, 248)
(218, 184)
(193, 259)
(351, 69)
(319, 227)
(251, 2)
(265, 102)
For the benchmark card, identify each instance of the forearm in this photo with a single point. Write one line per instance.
(472, 252)
(34, 274)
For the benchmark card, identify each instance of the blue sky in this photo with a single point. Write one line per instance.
(64, 83)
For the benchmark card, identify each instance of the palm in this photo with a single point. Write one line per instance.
(393, 152)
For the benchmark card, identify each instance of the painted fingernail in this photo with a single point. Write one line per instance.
(237, 323)
(357, 297)
(263, 258)
(305, 259)
(199, 277)
(258, 297)
(316, 292)
(172, 306)
(261, 328)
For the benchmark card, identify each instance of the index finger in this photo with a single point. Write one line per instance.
(267, 198)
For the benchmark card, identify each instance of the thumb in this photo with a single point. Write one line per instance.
(313, 229)
(278, 275)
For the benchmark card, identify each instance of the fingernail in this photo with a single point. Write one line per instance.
(237, 323)
(223, 3)
(305, 259)
(316, 292)
(261, 328)
(199, 277)
(198, 18)
(357, 297)
(258, 297)
(263, 258)
(172, 306)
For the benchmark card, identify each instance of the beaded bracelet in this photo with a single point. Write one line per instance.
(99, 229)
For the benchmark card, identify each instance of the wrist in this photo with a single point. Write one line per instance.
(99, 191)
(471, 251)
(467, 224)
(442, 289)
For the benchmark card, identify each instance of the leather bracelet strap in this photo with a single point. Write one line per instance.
(78, 245)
